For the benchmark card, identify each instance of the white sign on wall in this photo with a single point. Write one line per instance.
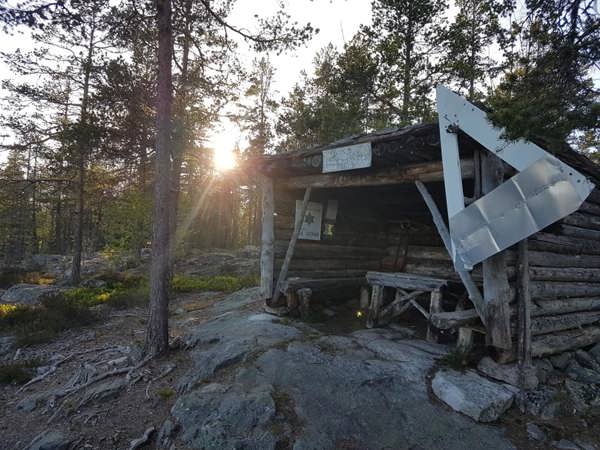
(347, 158)
(311, 227)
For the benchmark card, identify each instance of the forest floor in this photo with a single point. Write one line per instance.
(239, 378)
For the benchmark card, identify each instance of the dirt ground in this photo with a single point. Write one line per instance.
(111, 423)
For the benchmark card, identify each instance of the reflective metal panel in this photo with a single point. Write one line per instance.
(530, 201)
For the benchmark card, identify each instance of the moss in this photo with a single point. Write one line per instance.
(221, 283)
(165, 393)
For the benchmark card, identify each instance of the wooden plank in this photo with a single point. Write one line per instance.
(550, 324)
(550, 259)
(340, 273)
(426, 172)
(578, 232)
(454, 319)
(292, 284)
(496, 289)
(473, 291)
(565, 274)
(563, 306)
(315, 251)
(290, 252)
(583, 220)
(564, 244)
(558, 289)
(267, 253)
(550, 344)
(524, 306)
(590, 208)
(405, 281)
(398, 306)
(331, 264)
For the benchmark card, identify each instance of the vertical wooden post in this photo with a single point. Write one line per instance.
(523, 296)
(465, 339)
(376, 300)
(304, 297)
(267, 253)
(435, 306)
(290, 250)
(364, 297)
(496, 289)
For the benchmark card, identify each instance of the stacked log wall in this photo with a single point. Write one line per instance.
(565, 282)
(357, 245)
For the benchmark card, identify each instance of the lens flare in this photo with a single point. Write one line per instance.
(224, 160)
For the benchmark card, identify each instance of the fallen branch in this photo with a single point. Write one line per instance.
(164, 373)
(137, 443)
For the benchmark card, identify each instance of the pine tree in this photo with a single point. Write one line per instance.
(547, 91)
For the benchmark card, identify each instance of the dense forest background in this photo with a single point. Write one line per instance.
(79, 119)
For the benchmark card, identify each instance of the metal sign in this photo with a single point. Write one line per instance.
(311, 226)
(351, 157)
(545, 190)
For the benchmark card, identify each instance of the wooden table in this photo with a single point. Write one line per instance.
(407, 288)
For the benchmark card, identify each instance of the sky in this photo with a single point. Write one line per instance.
(337, 21)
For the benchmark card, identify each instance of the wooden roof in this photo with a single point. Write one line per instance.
(396, 147)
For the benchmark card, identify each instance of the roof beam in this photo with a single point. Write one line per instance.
(425, 172)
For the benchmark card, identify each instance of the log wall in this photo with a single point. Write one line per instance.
(565, 282)
(391, 231)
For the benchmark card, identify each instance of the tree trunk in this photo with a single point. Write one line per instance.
(83, 150)
(157, 330)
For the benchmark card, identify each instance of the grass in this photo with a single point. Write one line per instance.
(221, 283)
(18, 373)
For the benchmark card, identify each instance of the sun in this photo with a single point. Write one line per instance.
(224, 160)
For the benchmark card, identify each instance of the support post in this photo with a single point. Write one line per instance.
(364, 297)
(290, 251)
(465, 339)
(523, 296)
(465, 276)
(376, 300)
(267, 253)
(435, 306)
(496, 289)
(304, 298)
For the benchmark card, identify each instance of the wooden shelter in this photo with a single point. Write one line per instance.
(539, 297)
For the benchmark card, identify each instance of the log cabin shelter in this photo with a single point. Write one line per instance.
(367, 216)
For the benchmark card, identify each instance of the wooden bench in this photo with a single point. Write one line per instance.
(407, 288)
(298, 291)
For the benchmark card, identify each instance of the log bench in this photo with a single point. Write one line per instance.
(407, 288)
(299, 291)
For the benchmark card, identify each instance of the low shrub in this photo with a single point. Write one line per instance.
(121, 290)
(18, 373)
(221, 283)
(12, 276)
(36, 324)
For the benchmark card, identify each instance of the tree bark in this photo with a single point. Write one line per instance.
(157, 330)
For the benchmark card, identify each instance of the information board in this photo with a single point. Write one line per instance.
(347, 158)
